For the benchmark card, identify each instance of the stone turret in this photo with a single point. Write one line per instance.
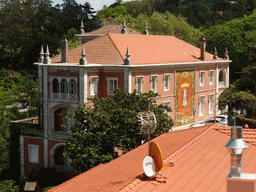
(128, 60)
(47, 59)
(41, 58)
(215, 54)
(83, 60)
(145, 32)
(124, 30)
(82, 28)
(226, 54)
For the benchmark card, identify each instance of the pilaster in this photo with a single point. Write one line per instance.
(217, 89)
(22, 172)
(40, 90)
(45, 98)
(45, 152)
(82, 85)
(128, 80)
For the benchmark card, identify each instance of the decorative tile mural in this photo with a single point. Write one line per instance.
(184, 99)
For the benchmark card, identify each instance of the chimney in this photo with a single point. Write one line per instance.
(64, 51)
(145, 32)
(236, 147)
(41, 58)
(202, 48)
(47, 59)
(124, 31)
(128, 60)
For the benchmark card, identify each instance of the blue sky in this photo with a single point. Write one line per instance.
(96, 4)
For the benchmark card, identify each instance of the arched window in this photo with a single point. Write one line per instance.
(222, 77)
(72, 87)
(58, 119)
(55, 87)
(58, 156)
(64, 86)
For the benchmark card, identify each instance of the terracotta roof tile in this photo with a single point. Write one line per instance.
(144, 49)
(156, 49)
(125, 171)
(202, 163)
(112, 28)
(98, 51)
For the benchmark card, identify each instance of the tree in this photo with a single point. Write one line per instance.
(242, 90)
(111, 123)
(8, 186)
(239, 37)
(163, 24)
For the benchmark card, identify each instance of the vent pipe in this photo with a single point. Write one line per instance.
(236, 147)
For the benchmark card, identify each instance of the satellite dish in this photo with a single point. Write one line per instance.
(149, 166)
(156, 154)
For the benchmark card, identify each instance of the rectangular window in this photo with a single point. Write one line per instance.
(94, 85)
(211, 76)
(166, 82)
(139, 81)
(202, 78)
(153, 83)
(211, 103)
(201, 106)
(33, 153)
(112, 84)
(168, 104)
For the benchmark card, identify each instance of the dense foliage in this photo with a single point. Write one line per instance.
(8, 186)
(26, 25)
(163, 24)
(239, 37)
(241, 94)
(111, 123)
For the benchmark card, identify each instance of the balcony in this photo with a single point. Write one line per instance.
(60, 135)
(64, 96)
(221, 84)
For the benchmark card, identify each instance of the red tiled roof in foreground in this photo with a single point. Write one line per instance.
(120, 172)
(144, 49)
(111, 28)
(202, 163)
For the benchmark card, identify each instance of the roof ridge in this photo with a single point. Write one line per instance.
(168, 158)
(109, 35)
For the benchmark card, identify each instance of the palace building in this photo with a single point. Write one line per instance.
(188, 79)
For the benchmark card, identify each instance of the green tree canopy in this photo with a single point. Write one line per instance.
(163, 24)
(111, 123)
(239, 36)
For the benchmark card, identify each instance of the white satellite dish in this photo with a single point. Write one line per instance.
(149, 166)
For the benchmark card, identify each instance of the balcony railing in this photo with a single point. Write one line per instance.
(63, 96)
(221, 84)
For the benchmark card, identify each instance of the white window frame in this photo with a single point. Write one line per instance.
(167, 78)
(211, 77)
(34, 159)
(167, 103)
(94, 91)
(111, 92)
(153, 84)
(211, 103)
(201, 78)
(139, 79)
(201, 101)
